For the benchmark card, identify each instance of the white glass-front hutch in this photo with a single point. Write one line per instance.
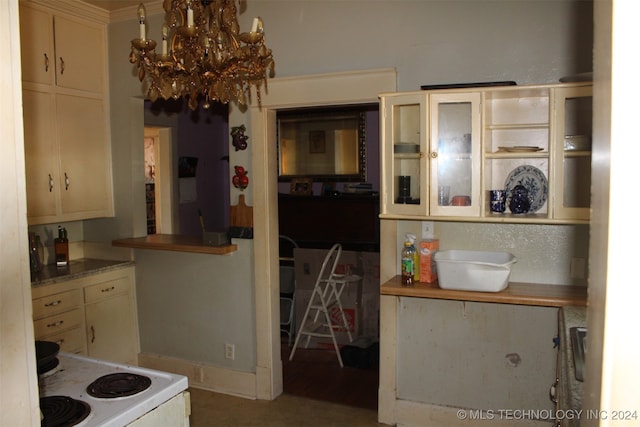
(444, 150)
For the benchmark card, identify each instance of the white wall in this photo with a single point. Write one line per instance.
(188, 308)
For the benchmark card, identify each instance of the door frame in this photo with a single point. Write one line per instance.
(344, 88)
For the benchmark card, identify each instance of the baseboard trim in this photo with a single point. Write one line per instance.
(202, 376)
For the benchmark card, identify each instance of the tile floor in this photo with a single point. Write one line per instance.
(215, 409)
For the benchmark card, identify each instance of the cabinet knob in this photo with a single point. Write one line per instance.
(46, 63)
(434, 154)
(50, 183)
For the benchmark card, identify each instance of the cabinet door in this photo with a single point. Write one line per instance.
(80, 55)
(84, 157)
(111, 329)
(404, 165)
(454, 154)
(36, 42)
(41, 155)
(572, 150)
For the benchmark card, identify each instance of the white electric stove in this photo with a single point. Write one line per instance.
(132, 394)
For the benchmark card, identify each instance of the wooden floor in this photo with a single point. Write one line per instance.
(316, 374)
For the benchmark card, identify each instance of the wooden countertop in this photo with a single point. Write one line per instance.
(172, 242)
(515, 293)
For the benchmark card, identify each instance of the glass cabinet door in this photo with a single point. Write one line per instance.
(403, 158)
(572, 148)
(454, 158)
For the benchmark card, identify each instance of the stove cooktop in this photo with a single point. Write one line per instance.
(75, 373)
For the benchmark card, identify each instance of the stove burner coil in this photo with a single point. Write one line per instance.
(120, 384)
(63, 411)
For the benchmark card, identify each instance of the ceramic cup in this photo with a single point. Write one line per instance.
(461, 201)
(497, 200)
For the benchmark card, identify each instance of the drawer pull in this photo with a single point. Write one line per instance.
(553, 391)
(55, 324)
(93, 334)
(50, 183)
(108, 289)
(53, 303)
(46, 63)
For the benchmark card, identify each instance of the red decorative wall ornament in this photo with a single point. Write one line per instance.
(240, 179)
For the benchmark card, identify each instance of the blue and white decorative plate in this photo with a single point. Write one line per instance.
(533, 180)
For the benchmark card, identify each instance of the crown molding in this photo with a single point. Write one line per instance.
(131, 12)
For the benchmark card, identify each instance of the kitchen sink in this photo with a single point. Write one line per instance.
(579, 346)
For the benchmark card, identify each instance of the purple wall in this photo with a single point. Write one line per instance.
(203, 134)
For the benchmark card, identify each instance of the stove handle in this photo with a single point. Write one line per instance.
(93, 334)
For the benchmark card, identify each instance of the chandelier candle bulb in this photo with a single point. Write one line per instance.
(141, 17)
(189, 15)
(165, 33)
(254, 26)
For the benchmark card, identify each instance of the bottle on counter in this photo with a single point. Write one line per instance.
(61, 247)
(416, 257)
(408, 264)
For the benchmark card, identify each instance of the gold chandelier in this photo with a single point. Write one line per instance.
(204, 56)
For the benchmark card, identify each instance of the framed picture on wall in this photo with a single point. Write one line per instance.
(317, 142)
(302, 186)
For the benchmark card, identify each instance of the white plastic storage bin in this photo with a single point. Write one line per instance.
(474, 270)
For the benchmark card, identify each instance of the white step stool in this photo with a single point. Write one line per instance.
(326, 294)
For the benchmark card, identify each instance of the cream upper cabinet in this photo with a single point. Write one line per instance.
(403, 127)
(572, 152)
(454, 158)
(443, 151)
(80, 55)
(36, 41)
(67, 142)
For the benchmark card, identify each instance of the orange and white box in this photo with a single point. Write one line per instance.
(428, 249)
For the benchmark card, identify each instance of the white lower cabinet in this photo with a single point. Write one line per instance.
(94, 315)
(111, 320)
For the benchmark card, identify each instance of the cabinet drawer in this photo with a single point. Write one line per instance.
(58, 323)
(71, 341)
(105, 290)
(56, 303)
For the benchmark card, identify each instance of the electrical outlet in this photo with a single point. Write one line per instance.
(427, 229)
(229, 351)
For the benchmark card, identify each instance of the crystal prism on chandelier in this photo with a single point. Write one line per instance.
(204, 56)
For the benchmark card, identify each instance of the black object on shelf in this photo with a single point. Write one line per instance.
(468, 85)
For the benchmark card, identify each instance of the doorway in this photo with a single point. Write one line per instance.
(313, 90)
(158, 180)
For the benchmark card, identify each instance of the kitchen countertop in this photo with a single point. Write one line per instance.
(570, 397)
(77, 268)
(515, 293)
(173, 242)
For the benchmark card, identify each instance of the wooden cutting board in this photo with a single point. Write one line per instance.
(241, 215)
